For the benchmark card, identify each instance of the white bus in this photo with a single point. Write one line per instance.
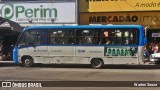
(95, 45)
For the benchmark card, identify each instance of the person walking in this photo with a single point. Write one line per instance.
(155, 48)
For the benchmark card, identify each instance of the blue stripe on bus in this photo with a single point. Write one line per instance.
(15, 55)
(84, 26)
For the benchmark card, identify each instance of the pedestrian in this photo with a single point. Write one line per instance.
(150, 50)
(0, 52)
(155, 48)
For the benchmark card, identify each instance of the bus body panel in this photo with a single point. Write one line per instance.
(82, 53)
(141, 54)
(90, 51)
(34, 51)
(15, 55)
(74, 56)
(124, 60)
(61, 50)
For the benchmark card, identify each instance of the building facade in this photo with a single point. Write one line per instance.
(141, 12)
(18, 14)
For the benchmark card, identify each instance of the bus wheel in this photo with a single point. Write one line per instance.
(27, 62)
(97, 63)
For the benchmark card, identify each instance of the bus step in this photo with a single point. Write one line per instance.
(6, 62)
(149, 63)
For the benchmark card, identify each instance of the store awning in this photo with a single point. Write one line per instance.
(14, 26)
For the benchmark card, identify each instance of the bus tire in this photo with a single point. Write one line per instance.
(97, 63)
(27, 61)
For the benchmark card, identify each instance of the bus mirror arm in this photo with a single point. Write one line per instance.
(145, 38)
(146, 31)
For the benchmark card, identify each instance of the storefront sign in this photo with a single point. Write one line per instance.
(155, 34)
(39, 12)
(118, 5)
(151, 19)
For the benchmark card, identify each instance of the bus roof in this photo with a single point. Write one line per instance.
(84, 26)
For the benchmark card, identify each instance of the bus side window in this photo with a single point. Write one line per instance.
(37, 37)
(79, 35)
(22, 41)
(43, 37)
(107, 37)
(61, 36)
(54, 37)
(97, 36)
(84, 36)
(126, 40)
(118, 37)
(29, 38)
(71, 37)
(133, 36)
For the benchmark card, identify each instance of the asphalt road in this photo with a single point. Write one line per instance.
(79, 73)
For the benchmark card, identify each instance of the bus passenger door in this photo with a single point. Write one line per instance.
(38, 44)
(41, 47)
(33, 43)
